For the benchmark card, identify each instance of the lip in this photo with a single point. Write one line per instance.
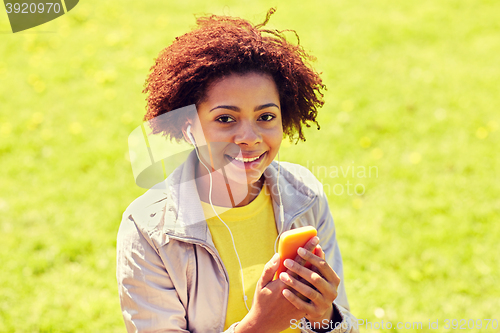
(246, 165)
(247, 154)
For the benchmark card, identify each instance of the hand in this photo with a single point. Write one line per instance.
(270, 312)
(318, 284)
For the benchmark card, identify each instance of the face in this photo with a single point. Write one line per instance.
(240, 124)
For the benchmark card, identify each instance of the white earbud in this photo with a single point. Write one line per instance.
(188, 130)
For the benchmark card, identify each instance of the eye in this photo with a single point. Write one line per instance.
(267, 117)
(224, 119)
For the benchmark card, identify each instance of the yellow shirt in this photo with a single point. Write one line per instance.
(254, 232)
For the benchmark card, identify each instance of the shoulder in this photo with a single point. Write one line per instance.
(300, 177)
(303, 180)
(143, 218)
(151, 202)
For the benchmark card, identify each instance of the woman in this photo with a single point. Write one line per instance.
(197, 256)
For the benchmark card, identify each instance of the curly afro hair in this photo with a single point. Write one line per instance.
(220, 46)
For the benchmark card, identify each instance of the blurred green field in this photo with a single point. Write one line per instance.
(413, 93)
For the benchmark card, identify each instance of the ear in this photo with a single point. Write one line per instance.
(184, 131)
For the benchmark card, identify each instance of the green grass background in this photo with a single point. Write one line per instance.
(413, 91)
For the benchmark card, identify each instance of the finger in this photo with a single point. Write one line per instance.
(269, 270)
(319, 298)
(309, 246)
(297, 302)
(323, 268)
(319, 252)
(316, 280)
(303, 289)
(315, 304)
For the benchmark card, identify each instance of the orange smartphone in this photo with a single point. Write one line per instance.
(290, 241)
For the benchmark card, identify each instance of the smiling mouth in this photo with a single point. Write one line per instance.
(246, 160)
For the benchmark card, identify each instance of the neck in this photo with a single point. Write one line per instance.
(225, 192)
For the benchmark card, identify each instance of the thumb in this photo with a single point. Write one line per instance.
(269, 270)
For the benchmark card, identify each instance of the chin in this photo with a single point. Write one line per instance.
(244, 178)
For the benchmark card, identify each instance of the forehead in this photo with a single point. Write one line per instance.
(236, 86)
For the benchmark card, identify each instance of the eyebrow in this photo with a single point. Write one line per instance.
(237, 109)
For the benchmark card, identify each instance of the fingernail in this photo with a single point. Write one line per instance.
(288, 263)
(315, 241)
(301, 251)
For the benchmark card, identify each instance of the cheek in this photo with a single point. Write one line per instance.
(278, 137)
(277, 142)
(213, 134)
(274, 142)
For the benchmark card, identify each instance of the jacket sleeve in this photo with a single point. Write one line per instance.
(328, 241)
(148, 297)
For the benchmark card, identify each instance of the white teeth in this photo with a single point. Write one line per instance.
(246, 160)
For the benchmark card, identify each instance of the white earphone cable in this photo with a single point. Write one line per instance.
(282, 213)
(230, 233)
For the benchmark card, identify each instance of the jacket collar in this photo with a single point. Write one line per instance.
(184, 217)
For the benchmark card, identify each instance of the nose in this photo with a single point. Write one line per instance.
(248, 134)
